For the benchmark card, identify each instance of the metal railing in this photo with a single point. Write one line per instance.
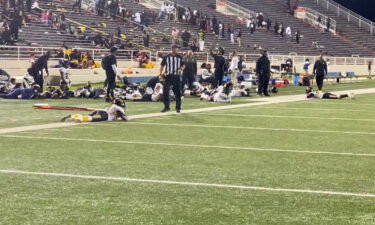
(229, 8)
(313, 16)
(349, 15)
(24, 52)
(277, 59)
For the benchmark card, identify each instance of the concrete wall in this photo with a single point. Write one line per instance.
(18, 69)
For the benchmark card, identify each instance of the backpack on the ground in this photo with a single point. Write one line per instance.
(306, 81)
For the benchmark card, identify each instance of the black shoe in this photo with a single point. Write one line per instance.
(178, 110)
(65, 118)
(108, 99)
(165, 110)
(268, 95)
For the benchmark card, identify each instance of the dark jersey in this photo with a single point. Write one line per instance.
(320, 67)
(263, 66)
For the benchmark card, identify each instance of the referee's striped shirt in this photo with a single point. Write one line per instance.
(172, 64)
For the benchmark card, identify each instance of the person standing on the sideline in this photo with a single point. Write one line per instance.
(190, 70)
(171, 66)
(219, 66)
(36, 70)
(320, 71)
(263, 71)
(109, 64)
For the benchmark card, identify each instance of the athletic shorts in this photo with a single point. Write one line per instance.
(99, 115)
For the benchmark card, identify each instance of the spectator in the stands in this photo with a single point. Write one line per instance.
(6, 38)
(269, 24)
(145, 38)
(215, 26)
(194, 45)
(77, 4)
(239, 37)
(276, 27)
(231, 35)
(260, 19)
(208, 25)
(98, 40)
(201, 37)
(328, 24)
(175, 34)
(36, 7)
(288, 32)
(185, 38)
(298, 36)
(281, 30)
(113, 7)
(163, 11)
(44, 17)
(220, 28)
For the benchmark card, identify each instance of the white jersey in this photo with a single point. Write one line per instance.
(220, 96)
(158, 91)
(112, 115)
(315, 95)
(65, 75)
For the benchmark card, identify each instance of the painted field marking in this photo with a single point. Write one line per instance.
(291, 117)
(183, 183)
(191, 145)
(253, 128)
(265, 101)
(306, 108)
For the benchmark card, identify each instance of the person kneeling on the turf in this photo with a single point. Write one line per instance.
(112, 113)
(312, 94)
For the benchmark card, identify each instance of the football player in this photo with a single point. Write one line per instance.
(112, 113)
(312, 94)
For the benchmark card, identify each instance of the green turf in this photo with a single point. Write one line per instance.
(87, 150)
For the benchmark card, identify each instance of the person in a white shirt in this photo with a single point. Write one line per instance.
(288, 32)
(36, 7)
(233, 68)
(112, 113)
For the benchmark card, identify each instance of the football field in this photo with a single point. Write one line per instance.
(304, 162)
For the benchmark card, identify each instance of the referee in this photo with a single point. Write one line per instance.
(171, 67)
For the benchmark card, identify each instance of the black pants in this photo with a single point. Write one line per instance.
(219, 75)
(188, 78)
(99, 115)
(111, 83)
(319, 81)
(263, 81)
(77, 4)
(175, 81)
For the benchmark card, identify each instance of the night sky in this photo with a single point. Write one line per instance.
(365, 8)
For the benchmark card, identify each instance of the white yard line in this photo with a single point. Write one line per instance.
(253, 128)
(288, 117)
(191, 145)
(183, 183)
(265, 101)
(314, 109)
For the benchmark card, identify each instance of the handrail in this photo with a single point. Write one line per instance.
(133, 22)
(296, 58)
(313, 16)
(234, 9)
(23, 52)
(350, 15)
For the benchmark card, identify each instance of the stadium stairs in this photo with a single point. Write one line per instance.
(333, 45)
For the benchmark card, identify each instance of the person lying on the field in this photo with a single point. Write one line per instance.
(220, 94)
(240, 91)
(23, 93)
(312, 94)
(112, 113)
